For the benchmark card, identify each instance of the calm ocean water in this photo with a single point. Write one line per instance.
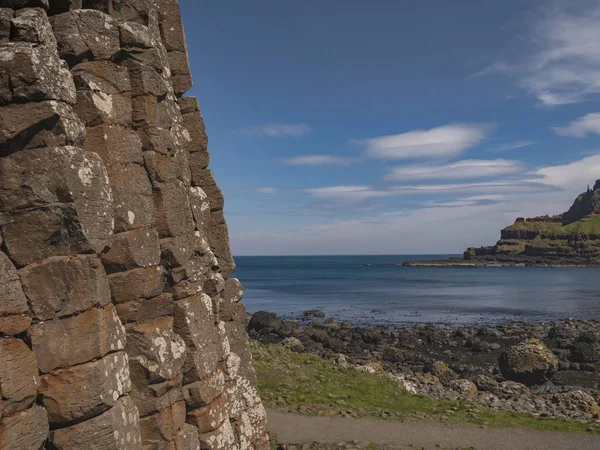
(386, 293)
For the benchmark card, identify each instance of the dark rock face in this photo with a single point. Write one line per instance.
(120, 326)
(265, 322)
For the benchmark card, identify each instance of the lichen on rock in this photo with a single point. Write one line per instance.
(121, 327)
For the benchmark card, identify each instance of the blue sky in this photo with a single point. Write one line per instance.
(366, 127)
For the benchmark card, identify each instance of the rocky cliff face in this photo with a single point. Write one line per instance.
(120, 325)
(573, 235)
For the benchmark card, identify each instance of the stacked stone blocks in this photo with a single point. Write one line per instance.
(120, 325)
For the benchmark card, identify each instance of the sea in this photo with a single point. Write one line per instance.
(373, 290)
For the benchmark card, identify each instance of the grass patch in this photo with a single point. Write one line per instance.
(533, 225)
(587, 225)
(319, 387)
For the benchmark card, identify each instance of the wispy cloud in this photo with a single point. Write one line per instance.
(490, 187)
(512, 146)
(278, 130)
(469, 168)
(354, 193)
(441, 142)
(563, 65)
(268, 190)
(576, 173)
(321, 160)
(580, 128)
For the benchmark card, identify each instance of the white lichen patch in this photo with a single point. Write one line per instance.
(177, 349)
(161, 344)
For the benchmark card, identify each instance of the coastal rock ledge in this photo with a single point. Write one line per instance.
(571, 239)
(120, 325)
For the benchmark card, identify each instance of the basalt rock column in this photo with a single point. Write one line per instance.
(120, 326)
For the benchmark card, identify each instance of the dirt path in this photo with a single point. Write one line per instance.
(296, 428)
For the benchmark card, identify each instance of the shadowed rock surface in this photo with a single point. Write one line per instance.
(120, 325)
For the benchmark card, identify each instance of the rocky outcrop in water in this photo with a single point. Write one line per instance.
(568, 239)
(120, 325)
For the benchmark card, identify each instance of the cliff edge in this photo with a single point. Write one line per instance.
(121, 327)
(568, 239)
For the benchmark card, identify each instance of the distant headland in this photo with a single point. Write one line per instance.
(571, 239)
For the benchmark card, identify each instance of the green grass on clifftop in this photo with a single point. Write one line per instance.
(587, 225)
(316, 386)
(533, 225)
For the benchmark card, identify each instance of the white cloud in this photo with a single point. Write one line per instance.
(278, 130)
(580, 128)
(513, 146)
(441, 142)
(563, 64)
(577, 173)
(268, 190)
(320, 160)
(353, 193)
(469, 168)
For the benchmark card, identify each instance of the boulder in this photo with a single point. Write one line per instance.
(292, 343)
(585, 352)
(263, 322)
(581, 401)
(465, 388)
(529, 362)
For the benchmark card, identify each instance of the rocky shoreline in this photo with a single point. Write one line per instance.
(500, 261)
(544, 369)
